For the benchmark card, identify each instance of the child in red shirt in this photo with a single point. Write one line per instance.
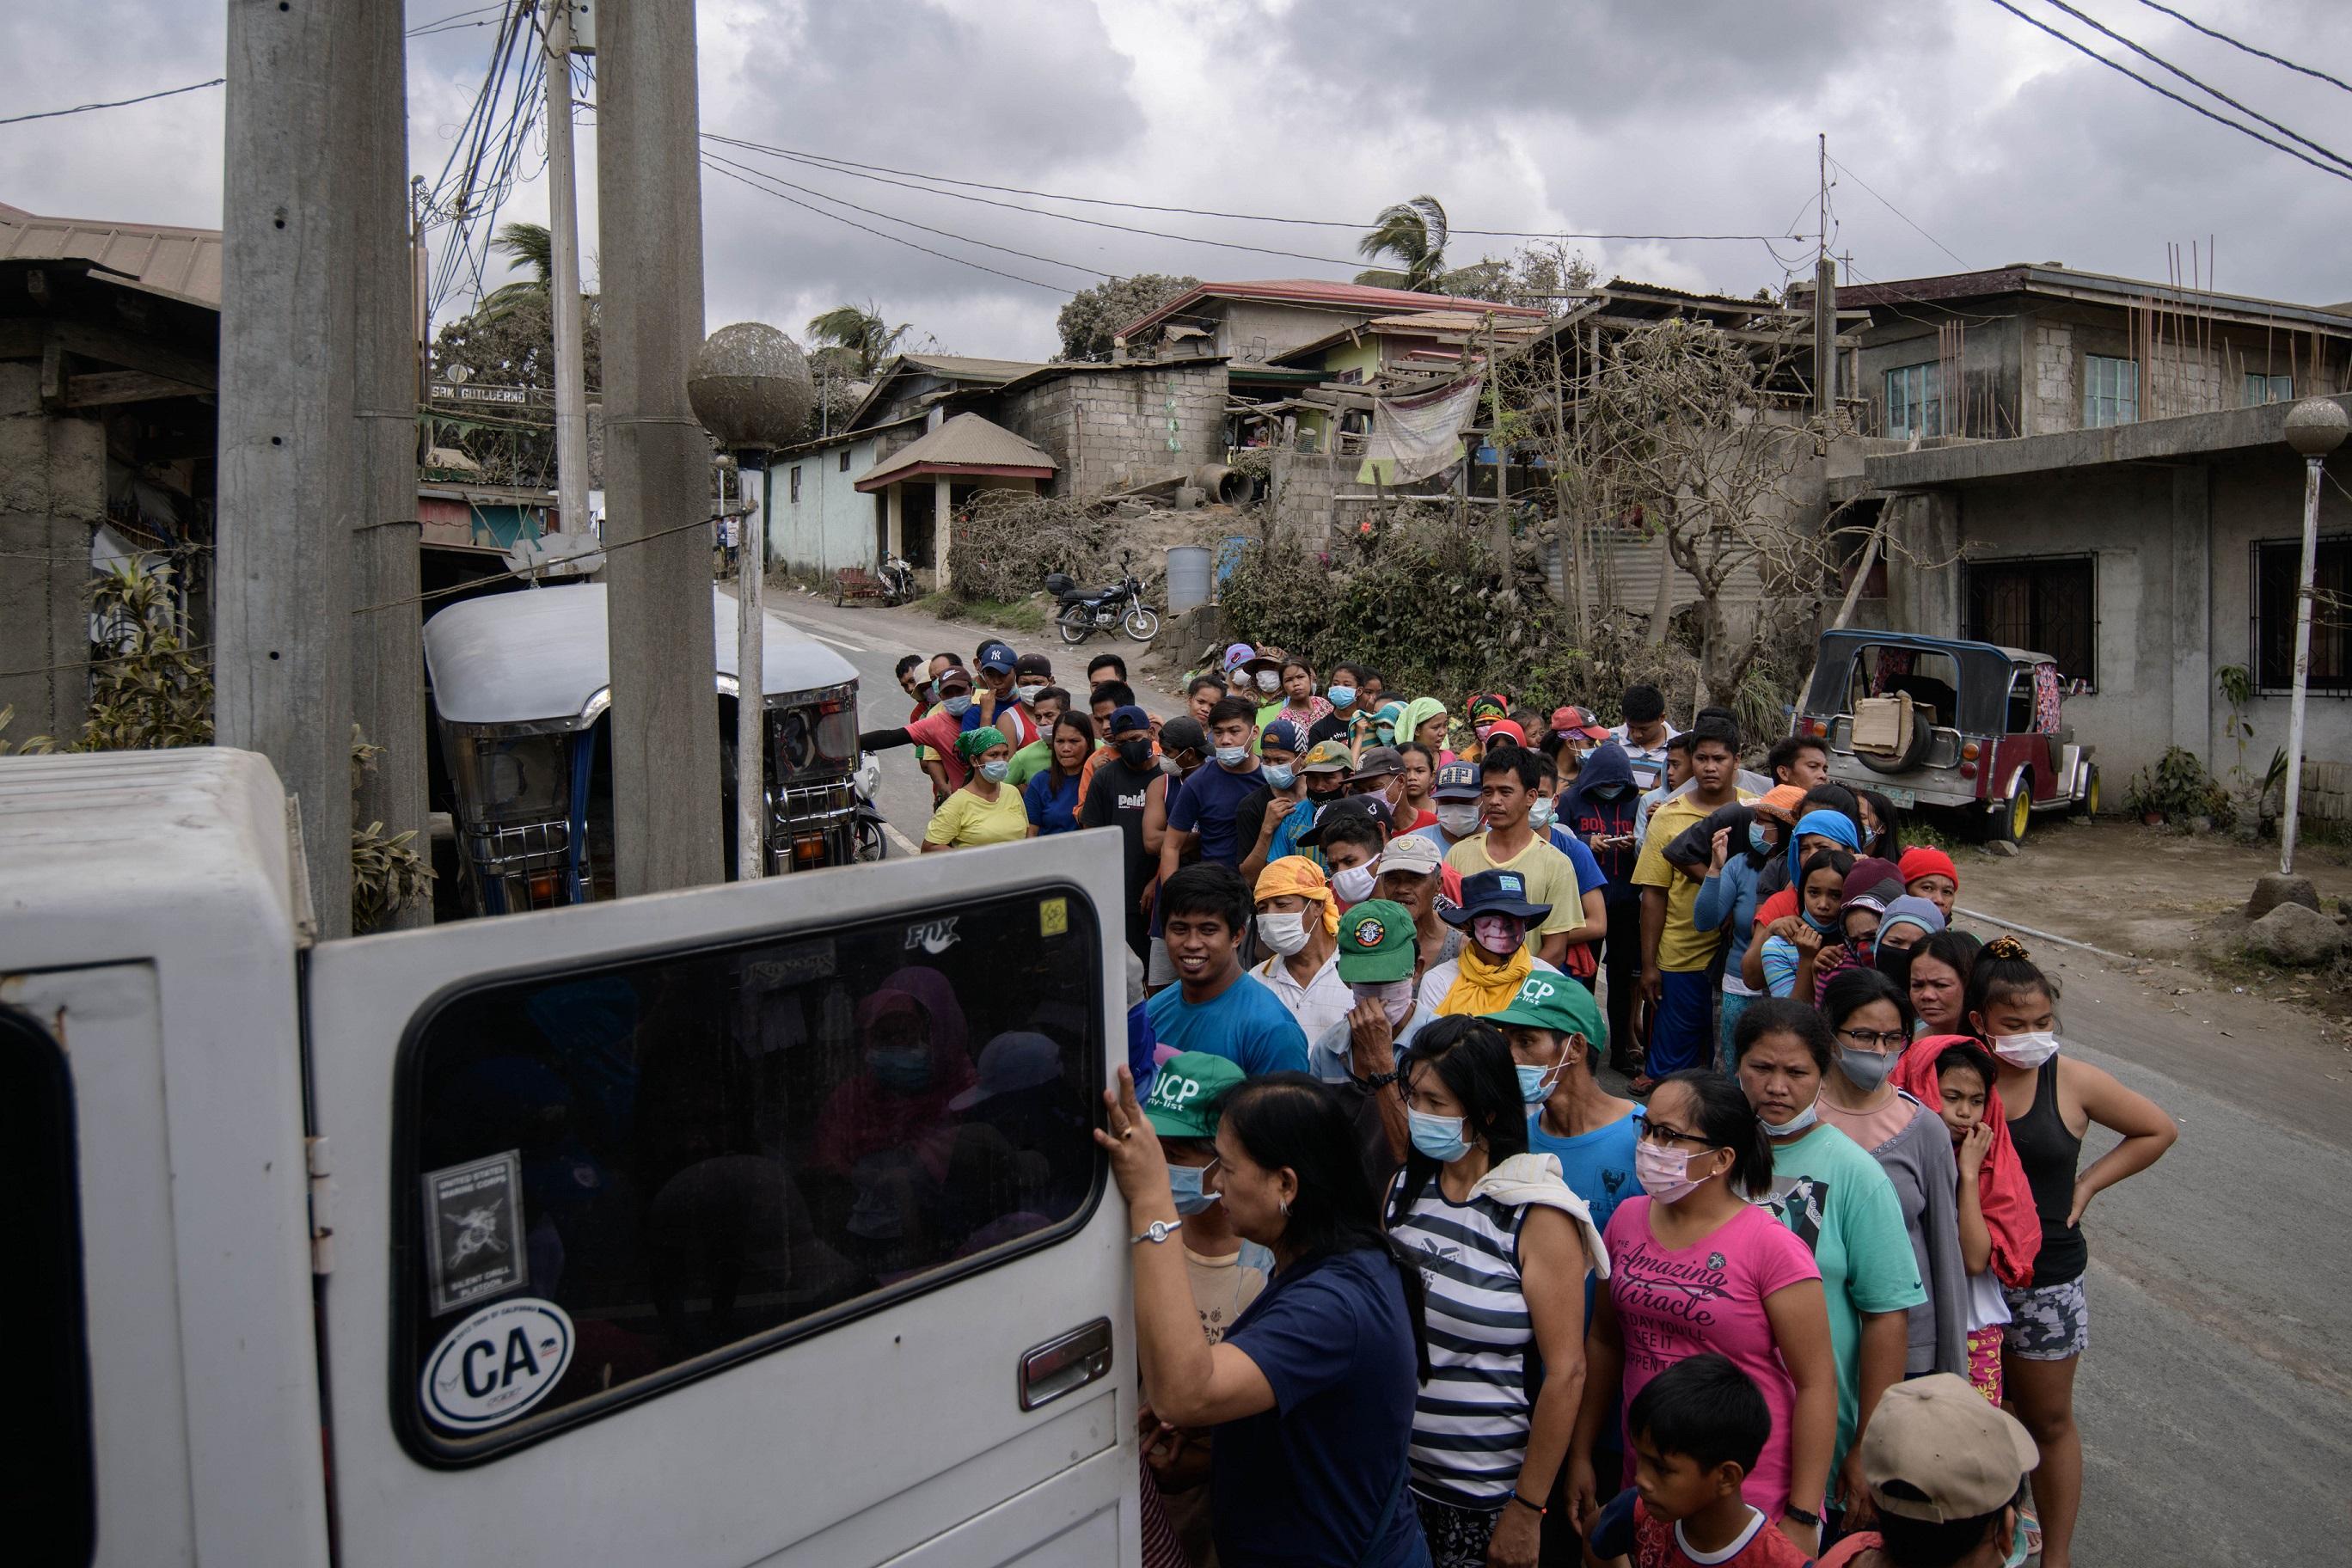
(1697, 1428)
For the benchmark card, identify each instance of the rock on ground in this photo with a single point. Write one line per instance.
(2296, 936)
(2274, 889)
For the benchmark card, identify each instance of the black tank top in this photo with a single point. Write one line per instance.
(2050, 1154)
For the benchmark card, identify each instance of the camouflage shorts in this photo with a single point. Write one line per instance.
(2048, 1322)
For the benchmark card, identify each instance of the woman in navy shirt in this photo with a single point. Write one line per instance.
(1052, 796)
(1312, 1390)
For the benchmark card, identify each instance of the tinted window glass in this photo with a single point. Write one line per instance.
(46, 1491)
(619, 1173)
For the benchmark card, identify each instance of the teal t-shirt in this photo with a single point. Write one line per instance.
(1830, 1192)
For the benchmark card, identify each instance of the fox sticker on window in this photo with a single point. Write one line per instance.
(933, 937)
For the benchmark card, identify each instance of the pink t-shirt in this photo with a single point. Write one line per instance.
(1710, 1297)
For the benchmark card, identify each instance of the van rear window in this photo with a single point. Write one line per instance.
(620, 1179)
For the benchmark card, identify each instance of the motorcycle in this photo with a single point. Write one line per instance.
(897, 576)
(1084, 612)
(868, 841)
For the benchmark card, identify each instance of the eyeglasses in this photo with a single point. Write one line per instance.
(1667, 1133)
(1875, 1040)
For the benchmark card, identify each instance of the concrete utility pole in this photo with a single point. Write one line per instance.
(666, 827)
(563, 284)
(1825, 367)
(287, 500)
(387, 645)
(2314, 427)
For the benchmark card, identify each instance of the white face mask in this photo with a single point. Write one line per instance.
(1268, 681)
(1395, 998)
(1027, 693)
(1461, 821)
(1797, 1123)
(1353, 885)
(2026, 1050)
(1286, 933)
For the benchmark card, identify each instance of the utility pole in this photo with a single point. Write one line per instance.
(666, 827)
(1825, 368)
(2314, 427)
(564, 249)
(291, 189)
(387, 645)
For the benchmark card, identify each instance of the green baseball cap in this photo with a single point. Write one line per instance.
(1557, 1003)
(1185, 1093)
(1376, 944)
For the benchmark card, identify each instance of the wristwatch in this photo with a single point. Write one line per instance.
(1379, 1080)
(1802, 1516)
(1159, 1230)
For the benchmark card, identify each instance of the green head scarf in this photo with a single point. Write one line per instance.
(1417, 713)
(972, 742)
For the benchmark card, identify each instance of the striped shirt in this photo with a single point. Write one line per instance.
(1470, 1423)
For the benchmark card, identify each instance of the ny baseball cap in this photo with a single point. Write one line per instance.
(1954, 1454)
(996, 656)
(1557, 1003)
(1185, 1093)
(1327, 757)
(1455, 781)
(1376, 944)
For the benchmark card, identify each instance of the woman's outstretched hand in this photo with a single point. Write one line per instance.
(1136, 1161)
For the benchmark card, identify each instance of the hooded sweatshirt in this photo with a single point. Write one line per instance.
(1583, 812)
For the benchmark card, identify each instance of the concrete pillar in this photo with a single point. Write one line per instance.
(940, 535)
(1923, 578)
(898, 513)
(52, 498)
(2190, 624)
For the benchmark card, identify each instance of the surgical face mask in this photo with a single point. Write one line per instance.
(1027, 693)
(1439, 1137)
(1797, 1123)
(1135, 754)
(2026, 1050)
(1231, 756)
(956, 707)
(996, 772)
(1461, 821)
(1395, 997)
(1539, 814)
(1184, 1181)
(1498, 934)
(1820, 925)
(1536, 1083)
(1342, 696)
(1353, 885)
(1758, 839)
(1268, 681)
(906, 1069)
(1480, 730)
(1286, 933)
(1280, 775)
(1663, 1172)
(1865, 1069)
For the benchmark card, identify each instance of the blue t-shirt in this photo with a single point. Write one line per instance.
(1245, 1023)
(1588, 874)
(1599, 1168)
(1205, 806)
(1053, 807)
(1310, 1479)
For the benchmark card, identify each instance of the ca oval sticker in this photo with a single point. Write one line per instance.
(498, 1363)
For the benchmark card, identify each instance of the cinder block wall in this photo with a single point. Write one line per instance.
(1112, 428)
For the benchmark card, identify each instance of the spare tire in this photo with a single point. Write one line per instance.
(1923, 736)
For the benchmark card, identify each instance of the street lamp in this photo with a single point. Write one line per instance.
(2314, 427)
(750, 387)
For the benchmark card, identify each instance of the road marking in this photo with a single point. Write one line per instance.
(846, 646)
(906, 844)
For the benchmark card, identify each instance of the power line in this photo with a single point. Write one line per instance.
(1899, 211)
(2149, 55)
(117, 103)
(439, 22)
(2082, 47)
(2259, 54)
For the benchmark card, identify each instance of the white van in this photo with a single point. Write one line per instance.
(758, 1224)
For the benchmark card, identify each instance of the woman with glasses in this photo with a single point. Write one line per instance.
(1837, 1201)
(1694, 1265)
(1870, 1020)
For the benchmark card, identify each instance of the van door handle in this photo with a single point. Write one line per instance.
(1062, 1365)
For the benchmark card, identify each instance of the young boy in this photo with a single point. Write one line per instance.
(1695, 1428)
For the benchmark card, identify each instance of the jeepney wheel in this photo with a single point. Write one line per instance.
(2087, 804)
(1077, 624)
(2016, 814)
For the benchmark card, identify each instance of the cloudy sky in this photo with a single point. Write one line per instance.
(1668, 117)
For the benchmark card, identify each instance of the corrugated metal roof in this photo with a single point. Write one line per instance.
(2020, 277)
(964, 442)
(963, 367)
(1319, 291)
(182, 262)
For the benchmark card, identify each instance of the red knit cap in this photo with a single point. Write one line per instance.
(1926, 860)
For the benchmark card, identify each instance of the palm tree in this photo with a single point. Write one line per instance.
(531, 245)
(861, 332)
(1414, 233)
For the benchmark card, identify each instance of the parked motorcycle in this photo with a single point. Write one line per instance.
(897, 576)
(868, 841)
(1084, 612)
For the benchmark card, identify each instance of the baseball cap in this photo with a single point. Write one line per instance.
(1506, 730)
(1185, 1093)
(1033, 664)
(1376, 944)
(1494, 893)
(1572, 720)
(1411, 853)
(1327, 757)
(954, 675)
(1557, 1003)
(996, 656)
(1379, 762)
(1455, 781)
(1010, 1062)
(1959, 1452)
(1284, 735)
(1182, 734)
(1355, 807)
(1129, 717)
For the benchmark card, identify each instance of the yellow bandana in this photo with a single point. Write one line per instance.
(1487, 983)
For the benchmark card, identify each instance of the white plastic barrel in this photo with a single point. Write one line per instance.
(1188, 578)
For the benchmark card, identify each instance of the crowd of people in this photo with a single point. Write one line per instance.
(1414, 1283)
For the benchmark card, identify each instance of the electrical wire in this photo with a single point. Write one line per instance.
(1899, 211)
(2154, 58)
(2216, 34)
(2077, 44)
(438, 22)
(117, 103)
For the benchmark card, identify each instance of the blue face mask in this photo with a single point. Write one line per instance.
(1439, 1137)
(1536, 1083)
(1758, 839)
(1184, 1181)
(903, 1069)
(1342, 696)
(1278, 776)
(996, 772)
(956, 707)
(1821, 926)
